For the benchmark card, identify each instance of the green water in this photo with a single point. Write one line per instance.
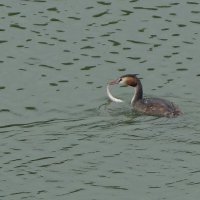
(60, 136)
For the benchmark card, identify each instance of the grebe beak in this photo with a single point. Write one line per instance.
(113, 82)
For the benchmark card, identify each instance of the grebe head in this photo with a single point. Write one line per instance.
(126, 80)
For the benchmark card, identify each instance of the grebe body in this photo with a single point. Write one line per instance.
(147, 106)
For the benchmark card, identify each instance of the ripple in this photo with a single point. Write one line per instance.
(126, 12)
(55, 20)
(144, 8)
(115, 43)
(195, 22)
(151, 69)
(195, 11)
(30, 108)
(104, 3)
(75, 18)
(4, 110)
(47, 66)
(181, 69)
(101, 14)
(134, 58)
(137, 42)
(67, 63)
(192, 2)
(17, 26)
(111, 23)
(87, 47)
(41, 24)
(88, 67)
(13, 13)
(54, 9)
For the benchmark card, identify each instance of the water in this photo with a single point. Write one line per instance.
(60, 137)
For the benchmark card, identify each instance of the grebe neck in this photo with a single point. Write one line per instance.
(138, 93)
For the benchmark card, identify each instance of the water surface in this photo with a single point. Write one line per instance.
(60, 136)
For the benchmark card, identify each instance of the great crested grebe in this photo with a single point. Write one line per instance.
(147, 106)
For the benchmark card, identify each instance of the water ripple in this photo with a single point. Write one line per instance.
(59, 136)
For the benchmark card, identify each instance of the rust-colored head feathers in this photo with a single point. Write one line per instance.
(129, 79)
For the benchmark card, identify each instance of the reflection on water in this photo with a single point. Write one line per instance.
(59, 136)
